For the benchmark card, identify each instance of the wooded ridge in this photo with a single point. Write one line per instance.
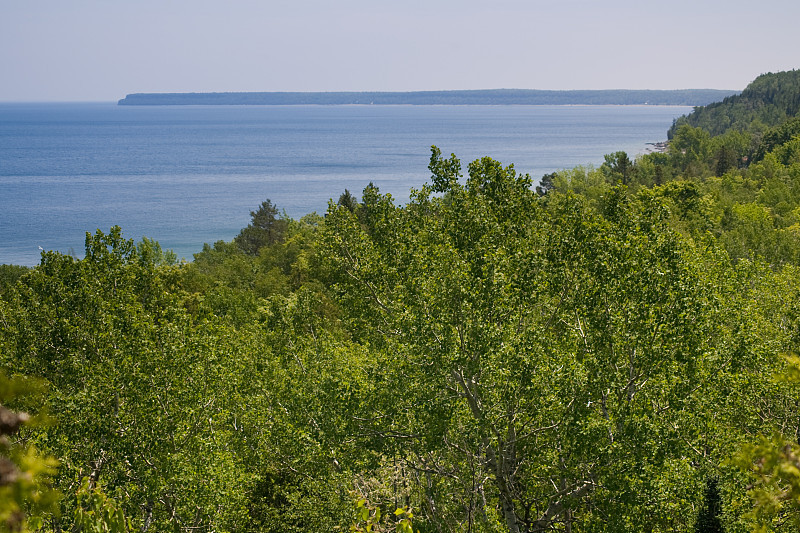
(686, 97)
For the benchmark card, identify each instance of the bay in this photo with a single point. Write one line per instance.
(191, 174)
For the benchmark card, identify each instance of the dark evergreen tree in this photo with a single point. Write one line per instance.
(346, 199)
(726, 160)
(546, 184)
(266, 228)
(659, 175)
(619, 167)
(708, 520)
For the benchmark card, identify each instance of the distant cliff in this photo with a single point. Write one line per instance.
(690, 97)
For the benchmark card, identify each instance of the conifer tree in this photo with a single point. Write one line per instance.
(708, 520)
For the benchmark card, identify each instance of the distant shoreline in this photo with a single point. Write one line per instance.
(682, 97)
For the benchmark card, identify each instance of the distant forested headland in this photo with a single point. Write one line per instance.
(690, 97)
(611, 349)
(769, 100)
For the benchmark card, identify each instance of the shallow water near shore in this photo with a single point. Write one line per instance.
(189, 175)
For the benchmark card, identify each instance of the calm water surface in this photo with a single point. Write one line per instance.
(189, 175)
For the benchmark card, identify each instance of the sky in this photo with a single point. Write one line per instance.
(101, 50)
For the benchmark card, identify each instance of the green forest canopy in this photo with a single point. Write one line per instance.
(610, 351)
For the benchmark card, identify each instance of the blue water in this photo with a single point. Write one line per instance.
(189, 175)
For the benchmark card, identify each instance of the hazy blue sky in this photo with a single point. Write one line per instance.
(103, 49)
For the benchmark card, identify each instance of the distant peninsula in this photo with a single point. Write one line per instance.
(685, 97)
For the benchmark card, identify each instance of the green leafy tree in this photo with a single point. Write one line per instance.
(588, 182)
(9, 274)
(773, 466)
(689, 150)
(26, 495)
(515, 335)
(141, 396)
(97, 513)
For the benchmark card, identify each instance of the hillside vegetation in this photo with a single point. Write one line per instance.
(768, 101)
(610, 349)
